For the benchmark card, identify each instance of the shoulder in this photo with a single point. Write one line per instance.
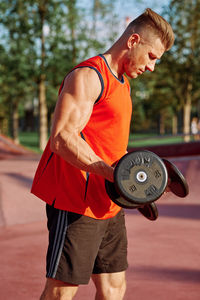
(82, 74)
(82, 82)
(93, 62)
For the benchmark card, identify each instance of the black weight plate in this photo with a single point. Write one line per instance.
(116, 198)
(149, 211)
(124, 203)
(178, 184)
(140, 177)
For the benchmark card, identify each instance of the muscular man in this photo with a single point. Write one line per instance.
(87, 234)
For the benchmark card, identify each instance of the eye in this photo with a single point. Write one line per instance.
(152, 56)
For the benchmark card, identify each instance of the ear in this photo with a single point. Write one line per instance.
(132, 40)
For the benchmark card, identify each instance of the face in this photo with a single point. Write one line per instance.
(142, 54)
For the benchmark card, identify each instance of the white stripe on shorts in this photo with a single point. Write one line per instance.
(59, 239)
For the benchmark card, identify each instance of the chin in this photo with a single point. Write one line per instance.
(133, 76)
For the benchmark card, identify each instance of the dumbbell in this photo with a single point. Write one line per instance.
(140, 178)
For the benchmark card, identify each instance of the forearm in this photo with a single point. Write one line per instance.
(73, 149)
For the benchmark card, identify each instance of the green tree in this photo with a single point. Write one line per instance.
(4, 112)
(185, 20)
(174, 86)
(43, 40)
(42, 7)
(16, 80)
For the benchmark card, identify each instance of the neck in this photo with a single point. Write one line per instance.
(114, 59)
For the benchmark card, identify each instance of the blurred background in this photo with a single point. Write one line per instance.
(41, 40)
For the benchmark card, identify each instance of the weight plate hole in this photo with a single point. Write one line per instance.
(141, 176)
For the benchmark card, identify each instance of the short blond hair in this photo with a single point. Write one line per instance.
(150, 20)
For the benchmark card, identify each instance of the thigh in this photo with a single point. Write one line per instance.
(74, 242)
(112, 255)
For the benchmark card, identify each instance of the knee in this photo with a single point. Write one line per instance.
(112, 288)
(116, 290)
(56, 290)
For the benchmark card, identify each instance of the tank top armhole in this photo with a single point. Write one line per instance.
(98, 73)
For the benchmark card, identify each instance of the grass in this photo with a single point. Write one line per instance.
(31, 139)
(142, 140)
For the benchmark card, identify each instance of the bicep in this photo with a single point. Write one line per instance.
(75, 103)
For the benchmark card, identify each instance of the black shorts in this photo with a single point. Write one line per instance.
(80, 246)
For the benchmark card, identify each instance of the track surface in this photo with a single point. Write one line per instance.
(164, 255)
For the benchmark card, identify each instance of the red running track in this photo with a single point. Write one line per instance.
(164, 256)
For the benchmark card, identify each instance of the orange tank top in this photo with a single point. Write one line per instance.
(107, 133)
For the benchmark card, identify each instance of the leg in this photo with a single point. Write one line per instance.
(58, 290)
(111, 261)
(110, 286)
(73, 246)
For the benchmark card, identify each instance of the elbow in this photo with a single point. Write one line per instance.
(58, 143)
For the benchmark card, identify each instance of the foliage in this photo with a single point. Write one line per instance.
(16, 80)
(43, 38)
(72, 32)
(174, 85)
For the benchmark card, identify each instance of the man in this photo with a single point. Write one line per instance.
(87, 235)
